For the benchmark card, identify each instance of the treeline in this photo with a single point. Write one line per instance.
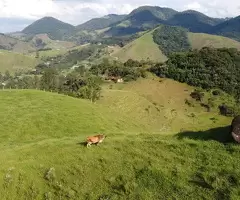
(80, 83)
(128, 71)
(206, 68)
(171, 39)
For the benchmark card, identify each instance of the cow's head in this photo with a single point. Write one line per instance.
(236, 137)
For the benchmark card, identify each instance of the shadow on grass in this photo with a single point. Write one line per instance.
(82, 143)
(220, 134)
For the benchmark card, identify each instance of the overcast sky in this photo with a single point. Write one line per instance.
(16, 14)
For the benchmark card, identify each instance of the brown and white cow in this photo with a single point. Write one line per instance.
(97, 139)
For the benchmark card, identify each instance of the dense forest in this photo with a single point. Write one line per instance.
(207, 68)
(171, 39)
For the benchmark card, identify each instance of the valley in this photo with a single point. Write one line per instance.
(161, 84)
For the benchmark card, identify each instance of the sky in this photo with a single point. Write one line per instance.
(17, 14)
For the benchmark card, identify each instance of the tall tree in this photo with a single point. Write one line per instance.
(49, 79)
(91, 90)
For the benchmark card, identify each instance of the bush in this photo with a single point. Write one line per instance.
(216, 92)
(197, 95)
(226, 110)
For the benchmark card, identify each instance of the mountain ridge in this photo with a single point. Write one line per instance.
(140, 19)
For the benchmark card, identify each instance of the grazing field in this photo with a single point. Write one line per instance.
(15, 61)
(200, 40)
(142, 48)
(43, 155)
(160, 104)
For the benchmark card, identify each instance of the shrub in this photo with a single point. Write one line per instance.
(216, 92)
(197, 95)
(226, 110)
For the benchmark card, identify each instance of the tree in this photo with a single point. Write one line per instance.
(7, 76)
(91, 90)
(49, 79)
(36, 82)
(1, 78)
(37, 54)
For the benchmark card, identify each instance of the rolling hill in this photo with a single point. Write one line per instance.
(140, 19)
(194, 21)
(142, 48)
(13, 44)
(160, 13)
(43, 151)
(200, 40)
(16, 62)
(55, 29)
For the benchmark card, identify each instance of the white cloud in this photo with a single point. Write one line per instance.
(193, 6)
(78, 11)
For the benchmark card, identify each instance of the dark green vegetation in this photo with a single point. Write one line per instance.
(194, 21)
(229, 28)
(171, 39)
(128, 71)
(140, 19)
(207, 68)
(55, 29)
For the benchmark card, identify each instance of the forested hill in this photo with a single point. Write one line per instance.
(207, 68)
(55, 29)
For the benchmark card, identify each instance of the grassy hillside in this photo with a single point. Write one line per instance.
(160, 104)
(43, 157)
(10, 43)
(170, 39)
(54, 44)
(142, 48)
(199, 40)
(15, 61)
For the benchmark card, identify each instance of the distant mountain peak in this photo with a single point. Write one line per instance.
(55, 28)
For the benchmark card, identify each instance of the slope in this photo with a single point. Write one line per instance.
(43, 156)
(172, 39)
(200, 40)
(12, 44)
(140, 19)
(16, 62)
(100, 23)
(229, 28)
(194, 21)
(159, 104)
(148, 17)
(142, 48)
(55, 29)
